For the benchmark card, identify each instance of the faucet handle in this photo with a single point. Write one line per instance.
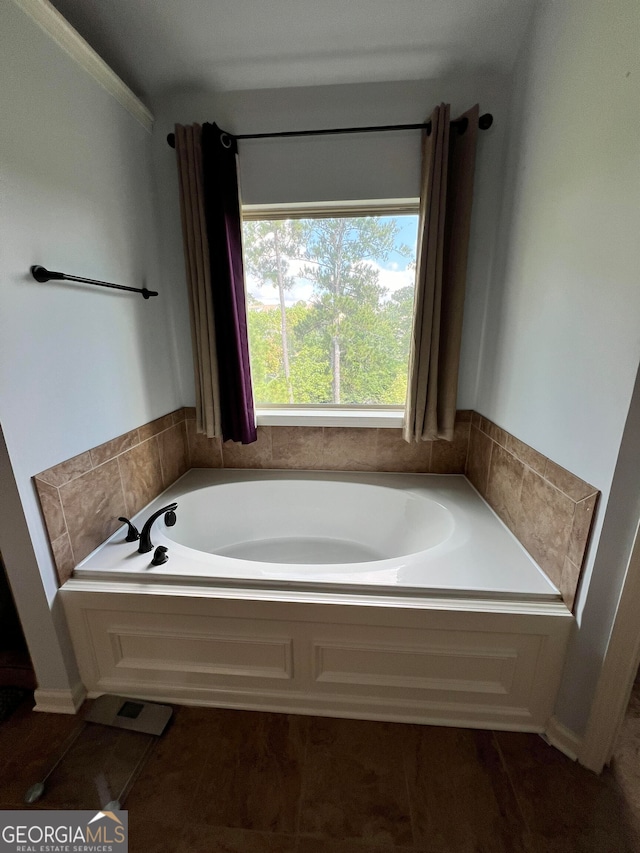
(160, 556)
(132, 532)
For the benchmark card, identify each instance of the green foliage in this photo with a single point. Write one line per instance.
(350, 344)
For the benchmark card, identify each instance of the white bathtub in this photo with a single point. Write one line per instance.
(383, 533)
(377, 596)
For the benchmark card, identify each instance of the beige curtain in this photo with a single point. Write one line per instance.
(196, 255)
(446, 193)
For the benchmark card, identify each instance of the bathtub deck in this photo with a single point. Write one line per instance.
(481, 559)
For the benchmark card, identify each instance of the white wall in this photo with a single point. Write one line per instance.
(562, 337)
(78, 365)
(337, 168)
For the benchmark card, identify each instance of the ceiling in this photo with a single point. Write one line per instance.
(155, 45)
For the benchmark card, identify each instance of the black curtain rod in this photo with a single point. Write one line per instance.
(42, 275)
(484, 123)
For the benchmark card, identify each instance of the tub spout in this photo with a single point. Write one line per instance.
(146, 544)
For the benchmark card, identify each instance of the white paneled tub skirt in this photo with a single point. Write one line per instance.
(381, 596)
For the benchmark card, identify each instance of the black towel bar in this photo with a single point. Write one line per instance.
(41, 274)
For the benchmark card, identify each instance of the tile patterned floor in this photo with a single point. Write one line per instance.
(240, 782)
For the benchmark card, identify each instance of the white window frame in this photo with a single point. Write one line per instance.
(375, 417)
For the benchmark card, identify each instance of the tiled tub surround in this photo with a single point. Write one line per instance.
(333, 449)
(546, 507)
(83, 497)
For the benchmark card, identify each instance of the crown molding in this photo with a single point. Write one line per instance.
(58, 28)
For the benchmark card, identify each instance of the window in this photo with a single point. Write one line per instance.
(330, 305)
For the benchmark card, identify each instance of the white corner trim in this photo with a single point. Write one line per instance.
(617, 674)
(563, 738)
(60, 701)
(58, 28)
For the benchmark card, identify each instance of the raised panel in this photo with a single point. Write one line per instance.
(416, 668)
(189, 651)
(212, 654)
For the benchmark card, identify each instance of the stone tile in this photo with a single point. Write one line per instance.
(115, 447)
(479, 459)
(461, 798)
(296, 447)
(393, 453)
(179, 415)
(526, 454)
(255, 455)
(354, 782)
(190, 412)
(464, 416)
(155, 427)
(63, 557)
(30, 743)
(253, 777)
(197, 838)
(174, 453)
(349, 449)
(150, 835)
(16, 728)
(308, 844)
(567, 808)
(92, 504)
(51, 509)
(476, 419)
(544, 525)
(203, 452)
(505, 485)
(494, 432)
(141, 475)
(68, 470)
(166, 788)
(581, 529)
(569, 582)
(567, 482)
(450, 457)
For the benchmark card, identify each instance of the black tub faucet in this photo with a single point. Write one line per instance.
(145, 536)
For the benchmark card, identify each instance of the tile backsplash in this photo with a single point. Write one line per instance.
(83, 497)
(546, 507)
(333, 449)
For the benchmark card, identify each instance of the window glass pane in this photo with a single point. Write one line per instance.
(330, 305)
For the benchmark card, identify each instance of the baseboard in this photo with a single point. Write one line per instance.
(60, 701)
(563, 738)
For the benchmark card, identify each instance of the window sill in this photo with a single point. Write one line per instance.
(368, 418)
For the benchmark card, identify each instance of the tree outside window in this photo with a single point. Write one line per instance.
(330, 308)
